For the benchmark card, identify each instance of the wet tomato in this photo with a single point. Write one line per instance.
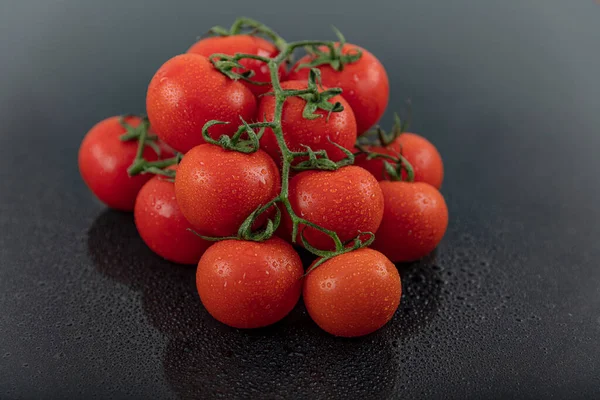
(347, 201)
(353, 294)
(249, 284)
(338, 127)
(103, 163)
(186, 92)
(364, 83)
(217, 189)
(247, 44)
(415, 219)
(163, 227)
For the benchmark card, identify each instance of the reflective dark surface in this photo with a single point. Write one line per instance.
(507, 307)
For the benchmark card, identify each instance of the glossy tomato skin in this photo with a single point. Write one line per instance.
(163, 227)
(246, 44)
(376, 165)
(419, 152)
(186, 92)
(217, 189)
(299, 132)
(103, 162)
(347, 201)
(353, 294)
(364, 83)
(414, 222)
(423, 156)
(249, 284)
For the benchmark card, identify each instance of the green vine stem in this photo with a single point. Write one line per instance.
(333, 57)
(246, 139)
(250, 26)
(394, 165)
(140, 165)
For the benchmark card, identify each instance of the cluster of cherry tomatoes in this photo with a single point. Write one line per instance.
(245, 154)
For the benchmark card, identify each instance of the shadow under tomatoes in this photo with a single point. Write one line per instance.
(205, 359)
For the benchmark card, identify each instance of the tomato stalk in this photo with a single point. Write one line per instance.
(141, 165)
(393, 164)
(315, 99)
(324, 52)
(333, 57)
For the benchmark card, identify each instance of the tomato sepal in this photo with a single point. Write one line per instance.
(351, 245)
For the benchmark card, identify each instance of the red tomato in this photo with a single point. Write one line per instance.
(376, 165)
(186, 92)
(298, 131)
(364, 82)
(347, 201)
(353, 294)
(246, 44)
(103, 163)
(217, 189)
(249, 284)
(163, 227)
(415, 219)
(423, 156)
(418, 151)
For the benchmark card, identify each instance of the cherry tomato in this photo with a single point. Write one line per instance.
(415, 219)
(186, 92)
(249, 284)
(353, 294)
(364, 83)
(347, 201)
(339, 127)
(420, 153)
(246, 44)
(376, 165)
(103, 163)
(163, 227)
(217, 189)
(423, 156)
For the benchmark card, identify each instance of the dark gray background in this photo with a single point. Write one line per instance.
(509, 305)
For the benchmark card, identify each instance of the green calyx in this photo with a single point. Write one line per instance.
(231, 67)
(319, 160)
(249, 26)
(248, 143)
(393, 165)
(141, 133)
(245, 232)
(354, 244)
(332, 55)
(318, 100)
(398, 128)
